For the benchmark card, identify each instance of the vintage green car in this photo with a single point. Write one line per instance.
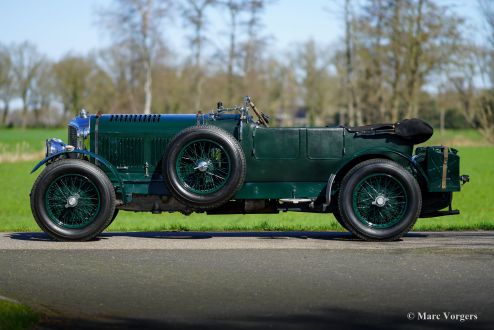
(227, 162)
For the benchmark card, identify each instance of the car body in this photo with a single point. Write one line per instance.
(226, 162)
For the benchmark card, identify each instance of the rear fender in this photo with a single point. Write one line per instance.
(369, 154)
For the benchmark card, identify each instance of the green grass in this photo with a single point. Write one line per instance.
(457, 138)
(29, 140)
(476, 202)
(15, 316)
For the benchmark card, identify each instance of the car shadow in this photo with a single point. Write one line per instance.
(326, 318)
(321, 235)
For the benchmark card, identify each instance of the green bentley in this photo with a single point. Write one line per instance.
(230, 161)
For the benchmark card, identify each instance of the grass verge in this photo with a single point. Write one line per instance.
(14, 316)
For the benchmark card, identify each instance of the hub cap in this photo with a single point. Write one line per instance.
(203, 166)
(380, 201)
(72, 201)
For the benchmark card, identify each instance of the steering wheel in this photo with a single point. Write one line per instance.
(263, 119)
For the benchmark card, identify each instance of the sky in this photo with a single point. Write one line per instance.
(59, 27)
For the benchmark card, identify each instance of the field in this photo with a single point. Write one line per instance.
(17, 145)
(475, 201)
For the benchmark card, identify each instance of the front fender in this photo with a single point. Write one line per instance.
(100, 159)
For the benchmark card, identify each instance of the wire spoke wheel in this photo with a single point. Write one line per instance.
(72, 201)
(203, 166)
(380, 200)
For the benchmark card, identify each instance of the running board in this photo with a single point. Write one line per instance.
(296, 200)
(434, 214)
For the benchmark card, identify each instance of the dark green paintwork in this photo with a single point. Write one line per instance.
(281, 162)
(432, 161)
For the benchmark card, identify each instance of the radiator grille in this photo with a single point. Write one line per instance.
(72, 136)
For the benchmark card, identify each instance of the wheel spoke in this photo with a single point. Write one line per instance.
(207, 170)
(72, 201)
(380, 200)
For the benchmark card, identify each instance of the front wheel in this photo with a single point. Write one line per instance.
(72, 200)
(379, 200)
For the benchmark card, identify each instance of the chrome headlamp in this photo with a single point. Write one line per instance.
(79, 130)
(54, 146)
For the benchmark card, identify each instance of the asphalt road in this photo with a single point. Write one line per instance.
(253, 280)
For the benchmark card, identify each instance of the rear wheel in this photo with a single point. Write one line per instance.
(72, 200)
(379, 200)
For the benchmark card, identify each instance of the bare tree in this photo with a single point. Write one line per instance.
(314, 77)
(42, 93)
(254, 65)
(194, 12)
(7, 88)
(27, 62)
(391, 49)
(136, 26)
(349, 65)
(71, 78)
(415, 57)
(255, 42)
(485, 110)
(235, 8)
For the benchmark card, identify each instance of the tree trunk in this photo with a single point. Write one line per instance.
(5, 112)
(199, 78)
(378, 63)
(397, 67)
(350, 95)
(442, 116)
(24, 111)
(231, 55)
(36, 112)
(147, 87)
(416, 55)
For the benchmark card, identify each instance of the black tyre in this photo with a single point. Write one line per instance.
(379, 200)
(204, 167)
(112, 218)
(72, 200)
(337, 216)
